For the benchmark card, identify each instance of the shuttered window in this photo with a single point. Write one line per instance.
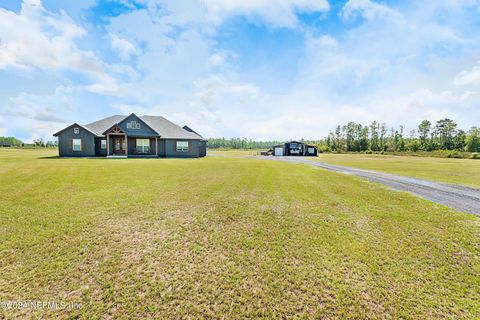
(77, 144)
(182, 146)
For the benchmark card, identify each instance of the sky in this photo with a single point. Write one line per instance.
(259, 69)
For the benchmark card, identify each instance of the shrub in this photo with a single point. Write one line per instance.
(475, 155)
(453, 154)
(322, 149)
(368, 152)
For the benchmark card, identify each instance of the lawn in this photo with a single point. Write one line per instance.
(224, 237)
(233, 152)
(456, 171)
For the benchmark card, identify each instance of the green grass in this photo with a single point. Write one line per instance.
(226, 238)
(234, 152)
(457, 171)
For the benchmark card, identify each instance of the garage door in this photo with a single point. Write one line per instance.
(278, 152)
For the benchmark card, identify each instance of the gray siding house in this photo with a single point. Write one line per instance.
(130, 136)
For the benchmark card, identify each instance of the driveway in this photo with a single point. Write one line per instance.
(455, 196)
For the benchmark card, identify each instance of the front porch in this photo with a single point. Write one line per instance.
(120, 145)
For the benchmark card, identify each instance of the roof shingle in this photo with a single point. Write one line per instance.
(164, 127)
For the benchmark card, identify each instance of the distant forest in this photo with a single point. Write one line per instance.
(378, 137)
(10, 141)
(14, 142)
(222, 143)
(443, 135)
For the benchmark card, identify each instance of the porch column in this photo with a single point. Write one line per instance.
(156, 146)
(126, 145)
(108, 144)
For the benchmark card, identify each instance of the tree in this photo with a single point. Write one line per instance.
(445, 130)
(363, 139)
(339, 139)
(10, 141)
(39, 142)
(349, 130)
(472, 141)
(374, 136)
(459, 140)
(413, 145)
(424, 129)
(383, 137)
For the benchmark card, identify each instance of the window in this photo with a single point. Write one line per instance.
(311, 150)
(143, 145)
(76, 130)
(182, 146)
(104, 144)
(77, 144)
(133, 125)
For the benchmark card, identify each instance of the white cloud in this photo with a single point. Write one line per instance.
(37, 38)
(280, 13)
(221, 59)
(468, 78)
(39, 116)
(3, 129)
(216, 89)
(367, 9)
(124, 48)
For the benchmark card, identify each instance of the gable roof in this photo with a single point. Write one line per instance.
(114, 126)
(100, 126)
(141, 120)
(74, 125)
(169, 130)
(164, 128)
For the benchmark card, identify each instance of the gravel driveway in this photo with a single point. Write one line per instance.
(457, 197)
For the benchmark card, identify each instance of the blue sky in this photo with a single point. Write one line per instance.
(261, 69)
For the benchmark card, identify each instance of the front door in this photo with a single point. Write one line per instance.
(119, 145)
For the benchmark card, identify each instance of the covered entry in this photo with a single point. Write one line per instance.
(116, 141)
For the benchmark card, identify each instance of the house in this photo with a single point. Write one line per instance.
(294, 148)
(130, 136)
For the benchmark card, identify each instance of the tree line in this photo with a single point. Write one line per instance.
(237, 143)
(378, 137)
(443, 135)
(10, 141)
(14, 142)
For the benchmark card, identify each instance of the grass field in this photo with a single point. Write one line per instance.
(226, 237)
(457, 171)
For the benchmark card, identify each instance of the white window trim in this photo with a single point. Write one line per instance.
(103, 144)
(182, 148)
(133, 125)
(76, 130)
(73, 145)
(143, 146)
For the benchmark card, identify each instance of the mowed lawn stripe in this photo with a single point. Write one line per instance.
(234, 238)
